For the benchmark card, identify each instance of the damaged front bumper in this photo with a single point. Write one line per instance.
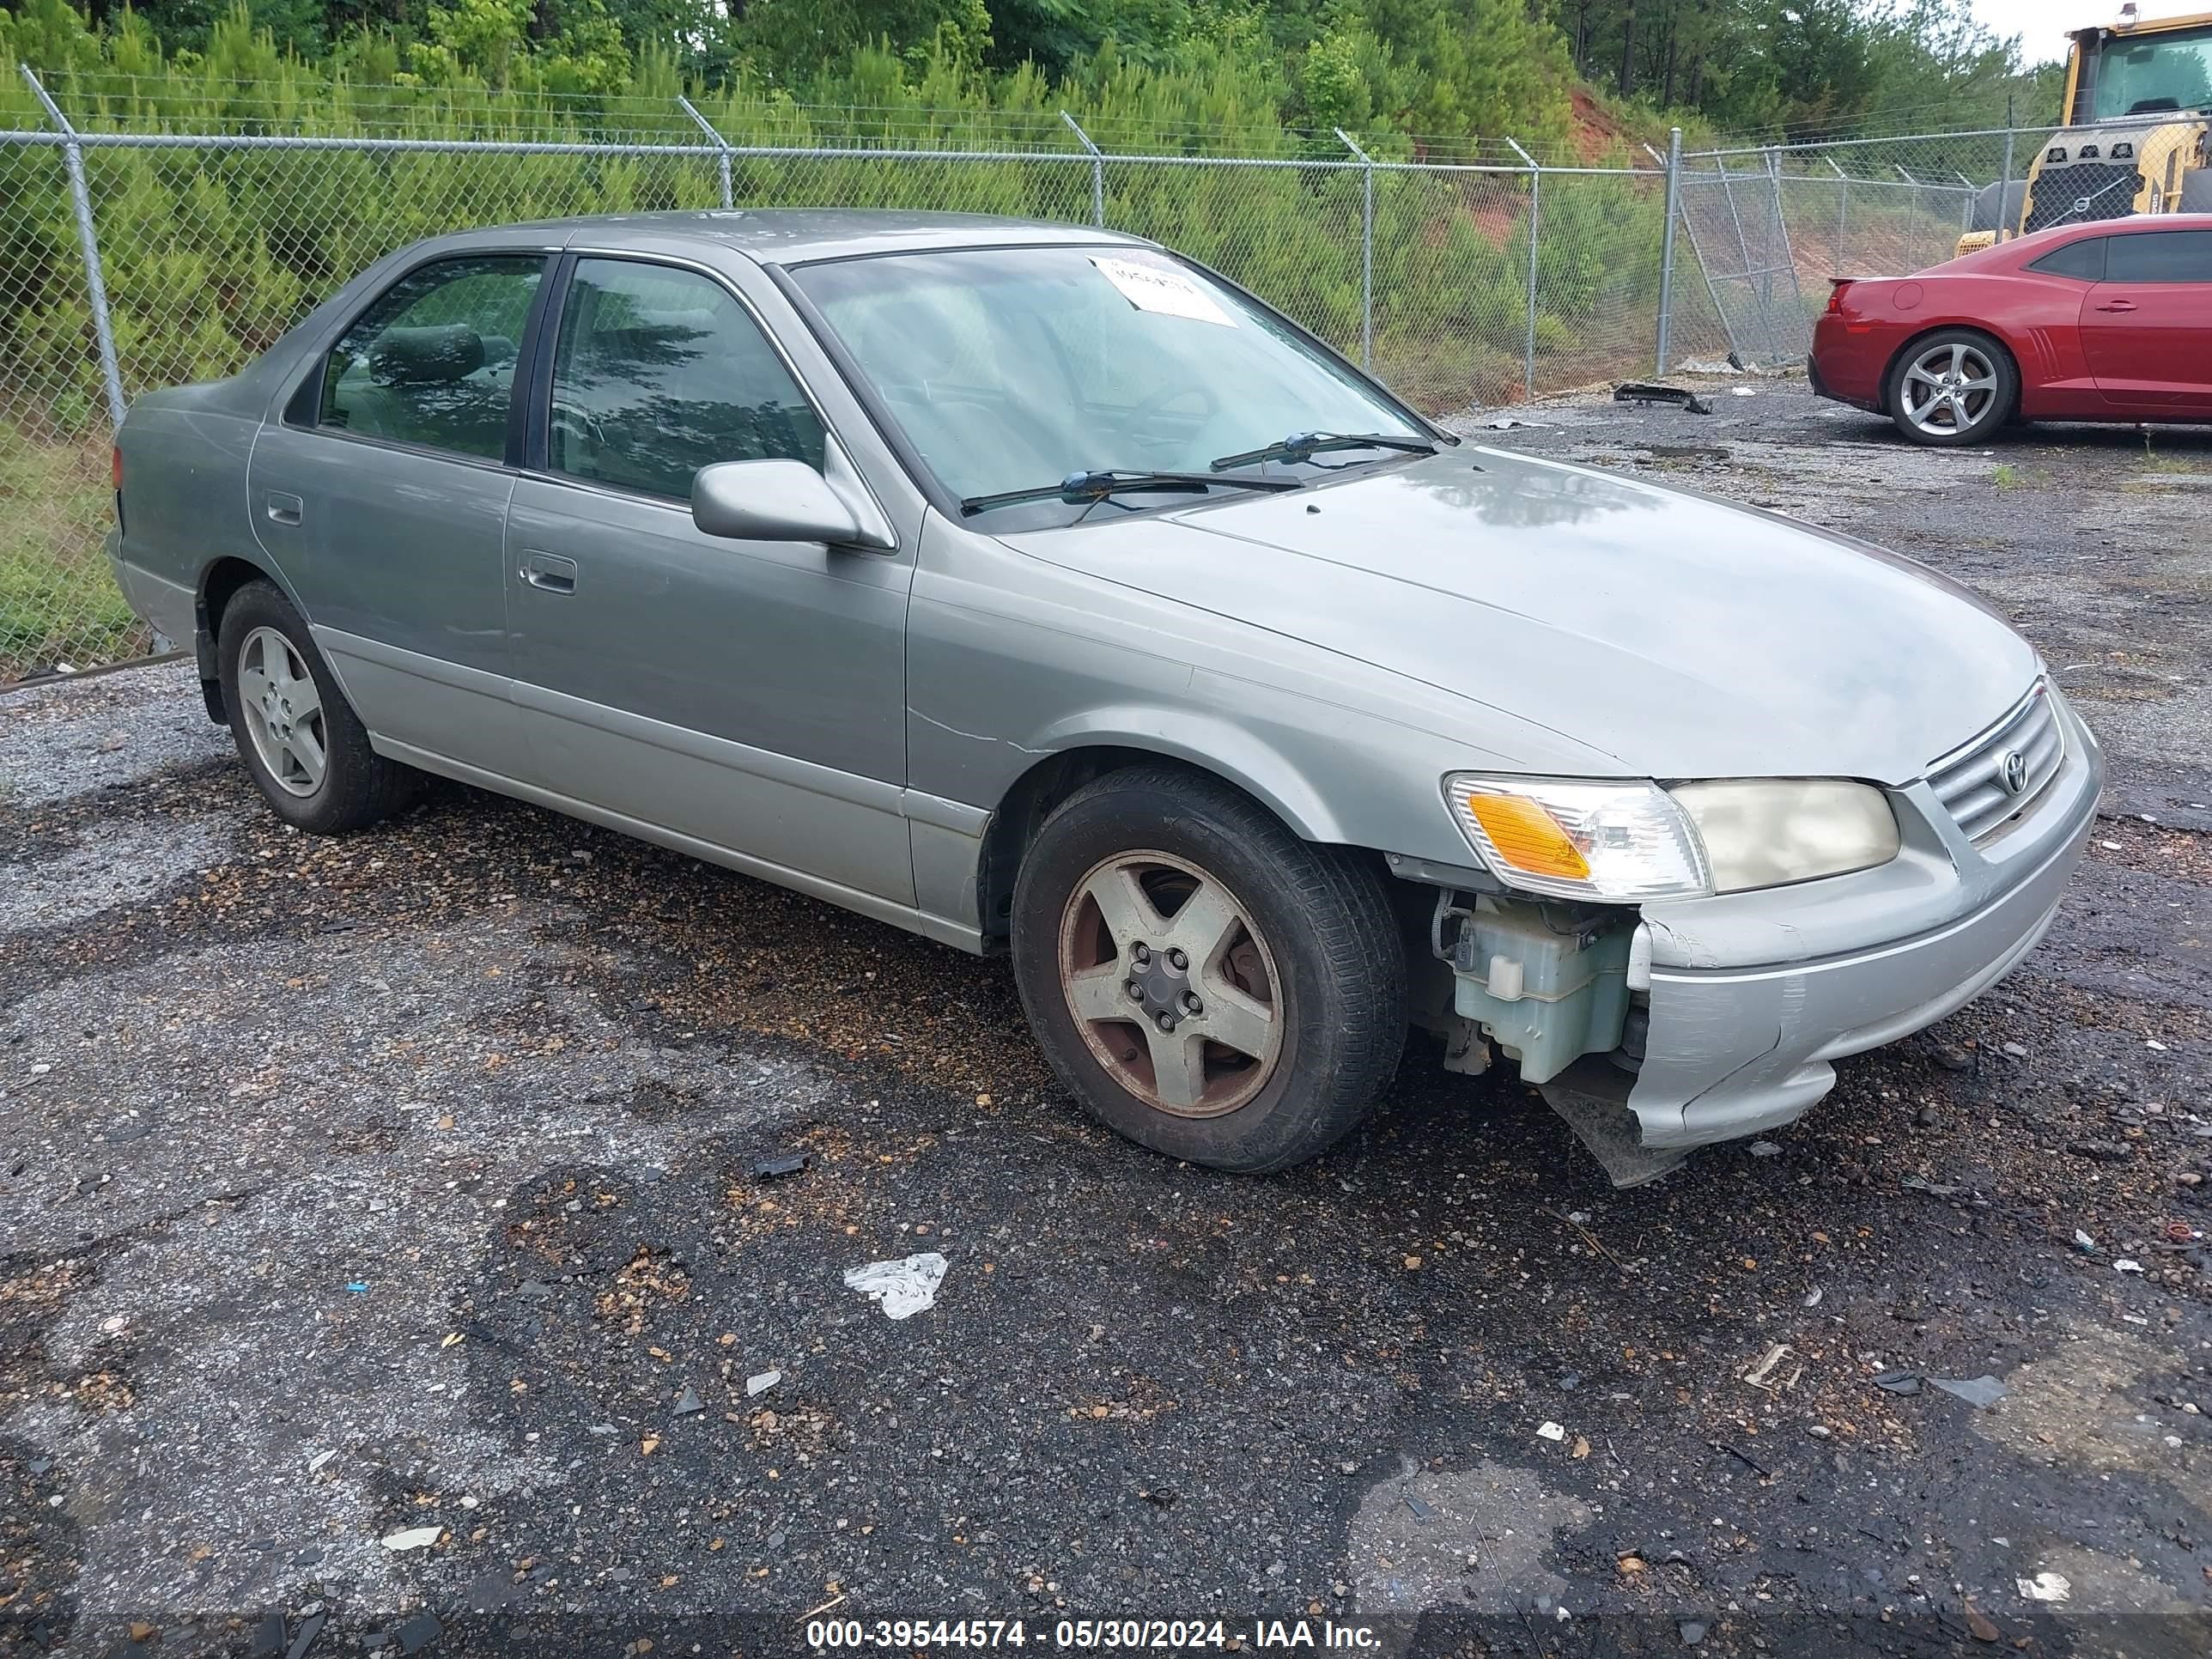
(1744, 1000)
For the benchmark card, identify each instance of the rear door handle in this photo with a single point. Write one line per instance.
(284, 509)
(2119, 305)
(548, 571)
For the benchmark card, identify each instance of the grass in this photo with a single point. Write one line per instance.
(58, 601)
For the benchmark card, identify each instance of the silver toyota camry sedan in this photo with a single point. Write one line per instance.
(1037, 590)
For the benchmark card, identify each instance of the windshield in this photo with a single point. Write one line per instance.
(1011, 367)
(2157, 72)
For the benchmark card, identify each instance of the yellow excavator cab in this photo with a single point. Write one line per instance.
(2137, 108)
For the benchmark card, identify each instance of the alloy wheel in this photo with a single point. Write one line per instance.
(1948, 389)
(284, 712)
(1173, 987)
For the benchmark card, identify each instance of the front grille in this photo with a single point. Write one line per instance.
(2060, 193)
(1972, 780)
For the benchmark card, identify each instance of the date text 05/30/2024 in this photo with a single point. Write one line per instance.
(1093, 1635)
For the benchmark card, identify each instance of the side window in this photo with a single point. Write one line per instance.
(660, 372)
(2161, 255)
(432, 362)
(2084, 259)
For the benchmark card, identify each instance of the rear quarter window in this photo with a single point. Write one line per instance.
(2084, 259)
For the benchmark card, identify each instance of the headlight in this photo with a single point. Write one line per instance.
(1764, 834)
(1576, 840)
(1615, 842)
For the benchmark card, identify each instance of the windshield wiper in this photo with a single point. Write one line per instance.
(1304, 446)
(1081, 488)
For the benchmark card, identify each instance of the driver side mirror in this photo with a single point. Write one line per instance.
(770, 502)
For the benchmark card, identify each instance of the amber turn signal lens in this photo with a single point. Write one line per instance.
(1527, 836)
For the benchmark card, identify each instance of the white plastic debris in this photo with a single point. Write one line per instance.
(767, 1380)
(1743, 391)
(413, 1538)
(1759, 1375)
(2127, 1264)
(320, 1458)
(902, 1288)
(2046, 1587)
(1551, 1431)
(2083, 1241)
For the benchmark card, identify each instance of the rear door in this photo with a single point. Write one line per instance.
(2147, 327)
(381, 494)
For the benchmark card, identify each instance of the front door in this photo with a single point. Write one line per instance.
(380, 494)
(2147, 328)
(747, 695)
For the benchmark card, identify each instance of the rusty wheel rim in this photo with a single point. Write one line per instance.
(1173, 989)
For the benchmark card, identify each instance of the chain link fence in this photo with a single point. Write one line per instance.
(143, 246)
(1772, 224)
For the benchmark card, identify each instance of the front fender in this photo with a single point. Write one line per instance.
(1228, 750)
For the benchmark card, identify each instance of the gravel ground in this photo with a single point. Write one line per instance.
(349, 1188)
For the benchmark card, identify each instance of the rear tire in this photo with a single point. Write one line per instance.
(305, 748)
(1954, 387)
(1269, 1004)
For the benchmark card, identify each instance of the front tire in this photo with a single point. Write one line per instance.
(305, 748)
(1956, 386)
(1207, 984)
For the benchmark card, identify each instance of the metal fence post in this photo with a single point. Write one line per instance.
(1788, 260)
(1366, 249)
(720, 143)
(1536, 218)
(1843, 211)
(2004, 184)
(1097, 170)
(95, 285)
(1666, 247)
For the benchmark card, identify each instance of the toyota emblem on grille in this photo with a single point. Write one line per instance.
(2014, 771)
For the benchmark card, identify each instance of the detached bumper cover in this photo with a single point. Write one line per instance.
(1740, 1042)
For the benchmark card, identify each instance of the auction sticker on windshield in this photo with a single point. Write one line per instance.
(1162, 289)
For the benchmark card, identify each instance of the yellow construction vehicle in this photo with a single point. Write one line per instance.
(2138, 102)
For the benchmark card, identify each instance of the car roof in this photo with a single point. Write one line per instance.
(790, 236)
(2003, 256)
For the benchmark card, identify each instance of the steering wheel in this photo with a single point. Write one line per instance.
(1156, 402)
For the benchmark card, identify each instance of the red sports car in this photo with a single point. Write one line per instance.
(2105, 321)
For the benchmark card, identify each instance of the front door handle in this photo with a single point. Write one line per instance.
(548, 571)
(284, 509)
(2119, 305)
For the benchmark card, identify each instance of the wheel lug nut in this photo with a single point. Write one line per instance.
(1139, 953)
(1191, 1004)
(1136, 991)
(1178, 961)
(1167, 1020)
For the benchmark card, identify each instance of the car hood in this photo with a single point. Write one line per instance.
(1679, 635)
